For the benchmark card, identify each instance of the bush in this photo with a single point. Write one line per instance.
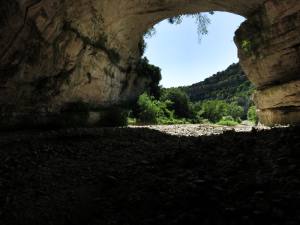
(214, 110)
(174, 107)
(152, 111)
(227, 121)
(131, 121)
(235, 111)
(149, 111)
(170, 121)
(180, 102)
(252, 115)
(152, 73)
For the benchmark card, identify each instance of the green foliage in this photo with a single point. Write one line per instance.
(149, 110)
(235, 111)
(214, 110)
(163, 111)
(223, 98)
(227, 85)
(227, 121)
(152, 111)
(252, 115)
(131, 121)
(142, 45)
(151, 72)
(230, 85)
(180, 102)
(150, 33)
(246, 46)
(201, 19)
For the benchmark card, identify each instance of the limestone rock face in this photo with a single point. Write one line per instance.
(278, 96)
(269, 51)
(58, 52)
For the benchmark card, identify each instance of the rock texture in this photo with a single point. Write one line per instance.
(57, 53)
(198, 130)
(269, 50)
(146, 177)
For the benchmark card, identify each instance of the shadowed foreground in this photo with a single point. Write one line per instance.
(141, 176)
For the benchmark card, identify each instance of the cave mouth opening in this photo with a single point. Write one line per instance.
(59, 59)
(187, 54)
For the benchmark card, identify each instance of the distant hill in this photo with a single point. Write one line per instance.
(229, 85)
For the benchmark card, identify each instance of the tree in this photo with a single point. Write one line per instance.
(151, 72)
(180, 102)
(214, 110)
(235, 111)
(252, 115)
(202, 21)
(148, 110)
(154, 111)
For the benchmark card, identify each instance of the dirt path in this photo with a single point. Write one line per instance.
(130, 176)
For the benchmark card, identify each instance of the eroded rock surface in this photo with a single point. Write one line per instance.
(269, 51)
(56, 53)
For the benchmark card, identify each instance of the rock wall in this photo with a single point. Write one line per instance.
(269, 51)
(57, 54)
(60, 57)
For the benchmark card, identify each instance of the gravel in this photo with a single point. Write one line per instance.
(196, 130)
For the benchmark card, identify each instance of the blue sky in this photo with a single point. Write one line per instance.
(183, 60)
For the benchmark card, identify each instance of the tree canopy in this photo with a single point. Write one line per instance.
(201, 20)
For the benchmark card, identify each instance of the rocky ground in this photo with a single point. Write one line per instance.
(196, 130)
(142, 176)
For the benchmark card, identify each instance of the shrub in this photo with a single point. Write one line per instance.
(180, 102)
(131, 121)
(149, 111)
(246, 46)
(214, 110)
(235, 111)
(227, 121)
(151, 72)
(252, 115)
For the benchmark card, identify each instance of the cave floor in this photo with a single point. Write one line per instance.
(141, 176)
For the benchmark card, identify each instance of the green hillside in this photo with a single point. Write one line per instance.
(229, 85)
(224, 98)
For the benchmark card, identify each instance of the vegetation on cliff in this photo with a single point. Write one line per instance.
(224, 98)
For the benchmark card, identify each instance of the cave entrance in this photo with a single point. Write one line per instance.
(87, 52)
(197, 47)
(270, 62)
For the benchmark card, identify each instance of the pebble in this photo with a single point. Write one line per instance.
(196, 130)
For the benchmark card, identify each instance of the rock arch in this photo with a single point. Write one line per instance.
(65, 56)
